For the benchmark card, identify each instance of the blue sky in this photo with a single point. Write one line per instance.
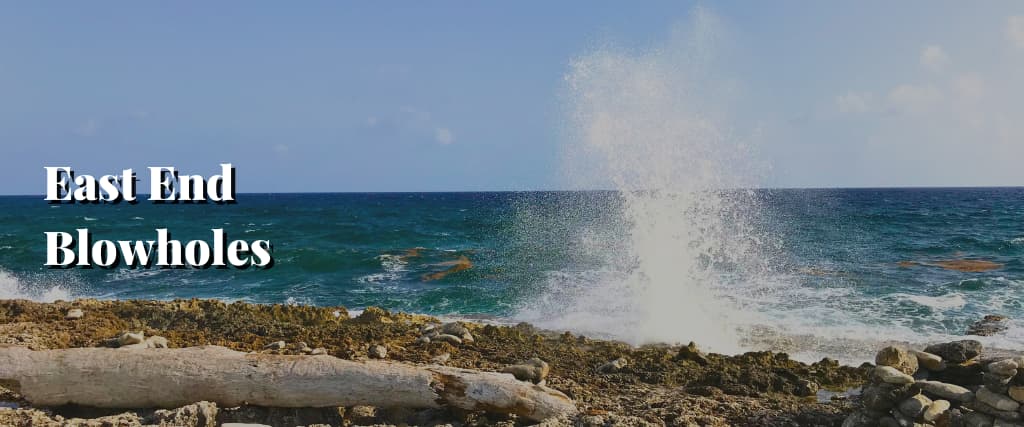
(441, 96)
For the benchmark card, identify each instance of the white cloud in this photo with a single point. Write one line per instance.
(1015, 30)
(444, 136)
(913, 99)
(854, 102)
(934, 58)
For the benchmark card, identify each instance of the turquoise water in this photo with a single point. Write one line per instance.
(828, 260)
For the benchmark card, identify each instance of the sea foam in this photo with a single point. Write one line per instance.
(12, 287)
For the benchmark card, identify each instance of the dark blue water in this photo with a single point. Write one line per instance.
(832, 265)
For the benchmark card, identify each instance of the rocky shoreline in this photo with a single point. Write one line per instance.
(610, 383)
(947, 384)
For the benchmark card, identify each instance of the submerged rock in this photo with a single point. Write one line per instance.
(461, 264)
(990, 325)
(968, 265)
(956, 351)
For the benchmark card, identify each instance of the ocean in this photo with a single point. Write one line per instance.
(813, 272)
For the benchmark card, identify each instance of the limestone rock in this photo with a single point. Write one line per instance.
(74, 313)
(454, 328)
(276, 345)
(997, 401)
(1017, 393)
(301, 348)
(989, 410)
(450, 339)
(936, 410)
(375, 314)
(956, 351)
(378, 352)
(200, 414)
(156, 342)
(883, 397)
(996, 383)
(897, 357)
(929, 361)
(976, 419)
(915, 406)
(1004, 368)
(129, 338)
(533, 370)
(892, 375)
(946, 391)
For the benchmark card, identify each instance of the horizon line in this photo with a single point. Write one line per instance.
(920, 187)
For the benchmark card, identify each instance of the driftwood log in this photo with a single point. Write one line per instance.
(169, 378)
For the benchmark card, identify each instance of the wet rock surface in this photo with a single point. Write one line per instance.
(657, 385)
(989, 325)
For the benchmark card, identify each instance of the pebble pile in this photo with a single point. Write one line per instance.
(949, 384)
